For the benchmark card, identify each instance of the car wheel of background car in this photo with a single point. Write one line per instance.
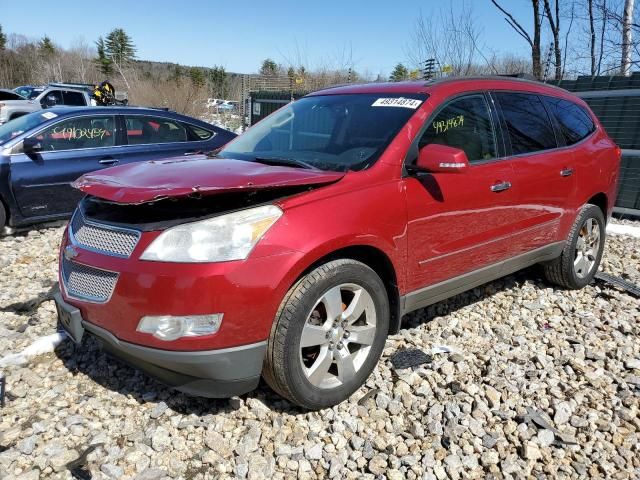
(3, 216)
(579, 261)
(328, 334)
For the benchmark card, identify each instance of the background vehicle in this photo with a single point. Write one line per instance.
(43, 152)
(39, 98)
(315, 231)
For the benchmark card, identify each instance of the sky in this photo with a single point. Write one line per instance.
(238, 35)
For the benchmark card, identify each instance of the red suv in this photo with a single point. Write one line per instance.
(295, 251)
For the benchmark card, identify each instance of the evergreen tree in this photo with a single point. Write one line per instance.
(218, 82)
(119, 47)
(197, 76)
(269, 67)
(102, 61)
(3, 39)
(399, 73)
(46, 46)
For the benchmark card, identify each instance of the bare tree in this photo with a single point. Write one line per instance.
(554, 25)
(533, 41)
(627, 37)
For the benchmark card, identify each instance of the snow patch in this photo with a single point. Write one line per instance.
(619, 229)
(42, 345)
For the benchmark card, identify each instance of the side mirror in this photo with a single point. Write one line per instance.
(31, 145)
(49, 101)
(436, 158)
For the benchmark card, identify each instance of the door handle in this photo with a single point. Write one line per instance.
(501, 187)
(566, 172)
(108, 161)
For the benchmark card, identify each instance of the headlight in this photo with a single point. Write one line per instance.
(170, 328)
(219, 239)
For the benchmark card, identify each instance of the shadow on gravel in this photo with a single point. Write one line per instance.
(30, 306)
(110, 373)
(24, 231)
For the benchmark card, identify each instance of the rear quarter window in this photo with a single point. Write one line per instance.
(574, 121)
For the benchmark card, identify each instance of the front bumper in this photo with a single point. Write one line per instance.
(212, 373)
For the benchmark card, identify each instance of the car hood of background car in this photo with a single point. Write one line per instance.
(178, 177)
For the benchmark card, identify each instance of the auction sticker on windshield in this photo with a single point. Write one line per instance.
(397, 102)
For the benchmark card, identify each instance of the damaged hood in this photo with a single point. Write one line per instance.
(178, 177)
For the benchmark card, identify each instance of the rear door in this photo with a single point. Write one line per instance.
(543, 170)
(70, 148)
(461, 222)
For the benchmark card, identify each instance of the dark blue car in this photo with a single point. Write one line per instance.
(41, 153)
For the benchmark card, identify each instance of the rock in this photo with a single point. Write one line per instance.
(632, 364)
(111, 471)
(314, 452)
(492, 395)
(489, 441)
(27, 445)
(545, 438)
(490, 457)
(377, 465)
(151, 474)
(158, 410)
(160, 441)
(562, 413)
(530, 451)
(60, 459)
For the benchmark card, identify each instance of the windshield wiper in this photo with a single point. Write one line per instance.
(291, 162)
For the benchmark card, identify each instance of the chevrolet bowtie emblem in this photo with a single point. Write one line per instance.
(70, 252)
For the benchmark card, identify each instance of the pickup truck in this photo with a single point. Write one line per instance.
(39, 98)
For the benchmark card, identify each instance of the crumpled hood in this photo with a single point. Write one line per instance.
(176, 177)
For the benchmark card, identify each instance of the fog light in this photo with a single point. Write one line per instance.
(166, 327)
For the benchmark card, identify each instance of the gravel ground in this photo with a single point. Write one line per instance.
(540, 383)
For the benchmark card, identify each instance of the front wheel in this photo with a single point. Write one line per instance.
(578, 263)
(328, 334)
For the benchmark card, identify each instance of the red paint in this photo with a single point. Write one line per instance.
(176, 177)
(431, 228)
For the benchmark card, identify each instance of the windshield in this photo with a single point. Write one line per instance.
(29, 92)
(329, 132)
(15, 127)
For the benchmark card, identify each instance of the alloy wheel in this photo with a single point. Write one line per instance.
(587, 248)
(337, 336)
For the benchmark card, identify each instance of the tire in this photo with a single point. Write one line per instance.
(3, 216)
(344, 287)
(565, 270)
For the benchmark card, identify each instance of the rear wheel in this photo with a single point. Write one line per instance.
(328, 334)
(579, 261)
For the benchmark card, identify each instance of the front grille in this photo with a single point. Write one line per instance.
(87, 283)
(106, 239)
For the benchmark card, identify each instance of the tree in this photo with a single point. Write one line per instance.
(197, 76)
(627, 37)
(3, 39)
(534, 42)
(46, 46)
(269, 67)
(120, 51)
(102, 61)
(399, 73)
(218, 82)
(554, 25)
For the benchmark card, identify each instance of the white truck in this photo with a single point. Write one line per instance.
(38, 98)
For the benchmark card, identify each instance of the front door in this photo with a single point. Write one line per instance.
(461, 222)
(41, 181)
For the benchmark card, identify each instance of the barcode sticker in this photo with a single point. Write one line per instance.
(411, 103)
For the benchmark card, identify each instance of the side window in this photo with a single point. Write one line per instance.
(527, 123)
(51, 99)
(142, 129)
(465, 124)
(198, 134)
(74, 99)
(575, 123)
(79, 132)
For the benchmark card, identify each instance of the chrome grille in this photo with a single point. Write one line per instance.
(88, 283)
(106, 239)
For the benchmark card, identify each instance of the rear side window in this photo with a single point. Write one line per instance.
(142, 130)
(527, 123)
(575, 123)
(464, 123)
(74, 99)
(197, 134)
